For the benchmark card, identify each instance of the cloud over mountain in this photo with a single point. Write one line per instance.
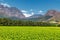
(40, 12)
(5, 4)
(26, 13)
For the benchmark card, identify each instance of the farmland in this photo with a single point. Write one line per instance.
(29, 33)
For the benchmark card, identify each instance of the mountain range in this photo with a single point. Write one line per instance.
(51, 15)
(55, 15)
(10, 12)
(15, 13)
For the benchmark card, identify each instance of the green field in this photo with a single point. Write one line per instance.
(29, 33)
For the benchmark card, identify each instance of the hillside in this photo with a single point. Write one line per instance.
(10, 12)
(55, 15)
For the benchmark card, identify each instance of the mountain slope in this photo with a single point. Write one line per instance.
(36, 16)
(55, 15)
(10, 12)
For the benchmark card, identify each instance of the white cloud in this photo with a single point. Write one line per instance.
(32, 13)
(40, 11)
(26, 13)
(5, 4)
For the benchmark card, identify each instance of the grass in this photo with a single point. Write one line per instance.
(29, 33)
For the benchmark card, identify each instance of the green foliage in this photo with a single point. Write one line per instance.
(29, 33)
(10, 22)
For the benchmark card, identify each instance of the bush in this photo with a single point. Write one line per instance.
(10, 22)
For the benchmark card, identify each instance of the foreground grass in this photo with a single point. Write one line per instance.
(29, 33)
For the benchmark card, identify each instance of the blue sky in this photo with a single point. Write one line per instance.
(34, 5)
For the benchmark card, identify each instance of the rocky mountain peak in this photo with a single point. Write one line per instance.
(10, 12)
(51, 12)
(55, 15)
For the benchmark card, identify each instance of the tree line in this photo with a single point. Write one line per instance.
(10, 22)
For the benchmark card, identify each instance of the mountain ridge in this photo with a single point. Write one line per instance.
(15, 13)
(10, 12)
